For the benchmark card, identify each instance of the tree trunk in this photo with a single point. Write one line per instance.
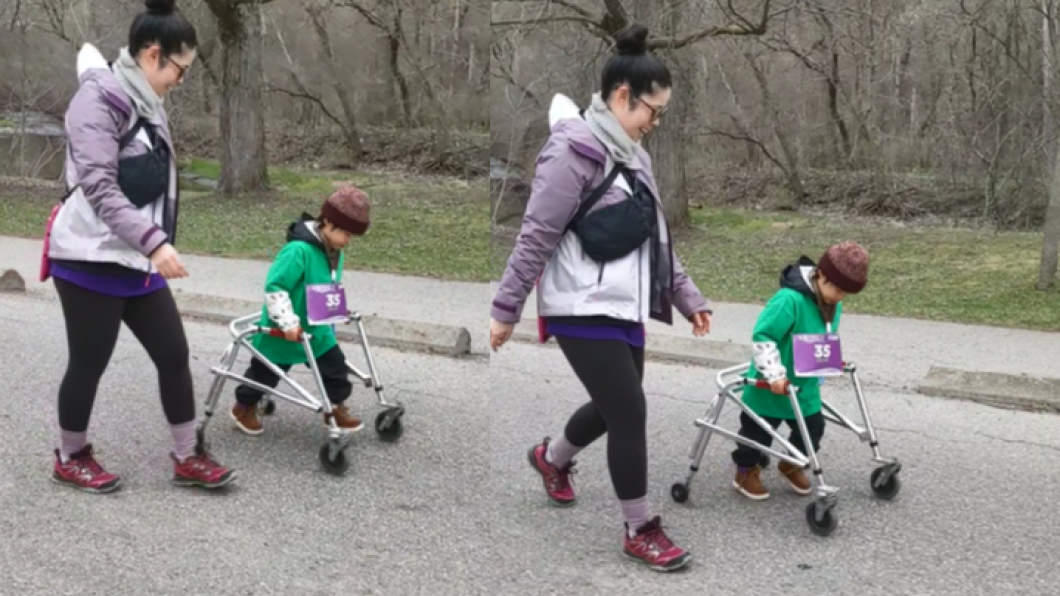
(845, 148)
(792, 169)
(668, 143)
(244, 166)
(353, 136)
(1051, 232)
(399, 79)
(348, 124)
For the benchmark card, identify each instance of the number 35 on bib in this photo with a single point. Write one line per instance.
(817, 355)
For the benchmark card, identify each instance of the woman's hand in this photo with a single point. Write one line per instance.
(499, 333)
(168, 262)
(700, 323)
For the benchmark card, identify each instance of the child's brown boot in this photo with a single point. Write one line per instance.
(344, 419)
(748, 483)
(796, 477)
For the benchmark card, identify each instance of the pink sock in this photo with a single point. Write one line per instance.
(184, 440)
(71, 443)
(560, 452)
(637, 513)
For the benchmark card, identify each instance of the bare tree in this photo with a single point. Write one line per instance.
(386, 16)
(244, 164)
(616, 17)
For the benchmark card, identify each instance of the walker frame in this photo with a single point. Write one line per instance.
(332, 454)
(820, 513)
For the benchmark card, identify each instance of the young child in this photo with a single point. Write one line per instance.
(312, 255)
(809, 301)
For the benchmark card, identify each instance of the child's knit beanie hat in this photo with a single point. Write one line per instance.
(846, 265)
(348, 210)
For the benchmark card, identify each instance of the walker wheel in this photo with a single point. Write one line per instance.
(389, 432)
(828, 522)
(679, 492)
(888, 490)
(337, 466)
(270, 407)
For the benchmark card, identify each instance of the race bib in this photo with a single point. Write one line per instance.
(326, 304)
(817, 355)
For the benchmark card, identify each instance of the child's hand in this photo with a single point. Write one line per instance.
(780, 387)
(293, 334)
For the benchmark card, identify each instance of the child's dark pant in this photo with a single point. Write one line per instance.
(333, 371)
(748, 457)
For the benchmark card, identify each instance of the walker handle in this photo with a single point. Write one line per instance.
(764, 384)
(279, 332)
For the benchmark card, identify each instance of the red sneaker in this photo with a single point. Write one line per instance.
(83, 472)
(652, 547)
(201, 470)
(557, 481)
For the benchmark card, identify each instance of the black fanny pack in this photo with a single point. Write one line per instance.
(614, 231)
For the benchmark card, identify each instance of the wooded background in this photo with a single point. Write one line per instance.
(327, 83)
(930, 109)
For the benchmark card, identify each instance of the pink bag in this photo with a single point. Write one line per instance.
(45, 263)
(542, 324)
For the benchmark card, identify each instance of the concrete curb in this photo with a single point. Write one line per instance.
(382, 332)
(708, 353)
(447, 340)
(1017, 392)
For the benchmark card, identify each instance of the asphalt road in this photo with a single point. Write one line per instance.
(426, 515)
(976, 515)
(406, 519)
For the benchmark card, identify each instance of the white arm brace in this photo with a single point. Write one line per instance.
(767, 361)
(281, 311)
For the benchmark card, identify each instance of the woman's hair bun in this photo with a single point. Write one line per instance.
(160, 7)
(632, 41)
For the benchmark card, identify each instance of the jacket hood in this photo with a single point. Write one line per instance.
(797, 276)
(305, 230)
(93, 69)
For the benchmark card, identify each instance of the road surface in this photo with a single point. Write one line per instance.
(976, 515)
(405, 520)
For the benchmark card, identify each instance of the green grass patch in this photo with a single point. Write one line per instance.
(439, 230)
(944, 274)
(294, 180)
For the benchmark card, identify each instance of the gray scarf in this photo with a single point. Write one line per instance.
(607, 130)
(133, 81)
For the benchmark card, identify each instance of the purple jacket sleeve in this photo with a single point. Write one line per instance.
(93, 130)
(687, 298)
(559, 182)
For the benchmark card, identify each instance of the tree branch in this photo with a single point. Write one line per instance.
(553, 19)
(309, 97)
(742, 27)
(745, 138)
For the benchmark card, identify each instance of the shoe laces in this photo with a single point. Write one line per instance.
(561, 477)
(203, 461)
(653, 535)
(86, 462)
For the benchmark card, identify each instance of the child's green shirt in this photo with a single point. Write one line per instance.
(793, 310)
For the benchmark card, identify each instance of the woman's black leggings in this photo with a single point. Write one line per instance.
(612, 372)
(93, 322)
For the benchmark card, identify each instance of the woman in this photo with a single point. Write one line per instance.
(597, 309)
(110, 246)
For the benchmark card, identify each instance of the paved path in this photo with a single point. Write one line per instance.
(405, 520)
(976, 515)
(892, 351)
(392, 296)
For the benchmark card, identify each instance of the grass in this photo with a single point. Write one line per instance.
(943, 274)
(433, 229)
